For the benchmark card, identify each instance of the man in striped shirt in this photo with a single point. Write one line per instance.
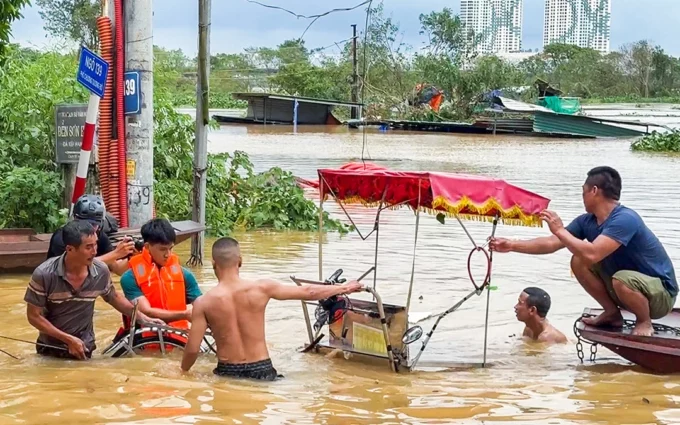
(61, 294)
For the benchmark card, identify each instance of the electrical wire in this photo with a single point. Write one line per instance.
(314, 18)
(365, 78)
(297, 15)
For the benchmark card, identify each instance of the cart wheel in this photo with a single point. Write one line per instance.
(142, 345)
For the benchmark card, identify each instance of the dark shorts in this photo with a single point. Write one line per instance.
(660, 300)
(59, 354)
(262, 370)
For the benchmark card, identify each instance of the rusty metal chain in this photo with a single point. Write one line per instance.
(579, 345)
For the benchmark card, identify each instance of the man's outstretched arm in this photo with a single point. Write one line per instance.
(538, 246)
(199, 324)
(278, 291)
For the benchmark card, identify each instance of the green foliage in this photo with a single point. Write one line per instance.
(236, 195)
(30, 186)
(30, 199)
(30, 91)
(74, 20)
(10, 11)
(658, 142)
(217, 100)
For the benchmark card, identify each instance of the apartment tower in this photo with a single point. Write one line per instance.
(496, 24)
(585, 23)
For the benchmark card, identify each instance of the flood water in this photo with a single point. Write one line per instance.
(525, 383)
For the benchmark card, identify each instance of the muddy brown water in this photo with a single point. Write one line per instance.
(526, 383)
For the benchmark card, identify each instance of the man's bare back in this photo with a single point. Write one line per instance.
(239, 337)
(234, 312)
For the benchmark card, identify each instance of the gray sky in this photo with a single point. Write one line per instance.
(237, 24)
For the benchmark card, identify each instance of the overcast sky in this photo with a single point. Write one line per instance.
(237, 24)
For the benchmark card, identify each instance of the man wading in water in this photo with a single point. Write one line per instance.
(621, 263)
(61, 294)
(234, 311)
(531, 309)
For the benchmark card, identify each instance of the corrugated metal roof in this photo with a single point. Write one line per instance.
(300, 99)
(512, 105)
(578, 124)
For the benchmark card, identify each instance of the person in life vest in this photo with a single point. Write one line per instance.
(163, 288)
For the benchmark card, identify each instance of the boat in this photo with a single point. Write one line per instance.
(375, 333)
(659, 353)
(22, 250)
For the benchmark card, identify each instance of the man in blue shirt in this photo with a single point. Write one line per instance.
(616, 258)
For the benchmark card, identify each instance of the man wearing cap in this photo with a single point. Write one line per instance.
(91, 208)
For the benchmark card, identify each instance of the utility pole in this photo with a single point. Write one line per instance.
(202, 120)
(355, 77)
(139, 129)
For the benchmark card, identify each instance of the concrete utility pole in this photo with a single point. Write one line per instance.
(202, 120)
(139, 128)
(355, 77)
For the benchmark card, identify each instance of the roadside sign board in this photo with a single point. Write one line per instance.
(132, 99)
(70, 124)
(92, 72)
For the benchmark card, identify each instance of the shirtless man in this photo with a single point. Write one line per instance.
(532, 308)
(234, 311)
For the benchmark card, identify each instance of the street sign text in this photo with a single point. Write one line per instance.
(132, 96)
(92, 72)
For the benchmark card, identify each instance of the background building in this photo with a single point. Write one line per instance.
(497, 23)
(585, 23)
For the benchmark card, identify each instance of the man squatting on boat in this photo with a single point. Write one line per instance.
(616, 257)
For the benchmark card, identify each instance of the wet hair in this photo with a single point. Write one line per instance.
(538, 298)
(226, 252)
(158, 231)
(74, 231)
(606, 179)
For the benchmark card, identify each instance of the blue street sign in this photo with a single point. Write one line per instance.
(92, 71)
(133, 105)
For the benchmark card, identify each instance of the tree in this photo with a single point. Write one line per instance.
(638, 60)
(448, 36)
(10, 11)
(75, 20)
(665, 73)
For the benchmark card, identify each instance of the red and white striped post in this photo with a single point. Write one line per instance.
(85, 149)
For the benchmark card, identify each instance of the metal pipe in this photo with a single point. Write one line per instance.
(441, 316)
(383, 323)
(305, 312)
(377, 239)
(466, 230)
(488, 290)
(133, 320)
(413, 265)
(321, 181)
(202, 123)
(162, 341)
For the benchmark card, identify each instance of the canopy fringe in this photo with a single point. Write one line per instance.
(486, 212)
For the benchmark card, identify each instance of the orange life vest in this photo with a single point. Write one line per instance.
(163, 286)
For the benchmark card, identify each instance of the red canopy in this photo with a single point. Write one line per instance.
(468, 196)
